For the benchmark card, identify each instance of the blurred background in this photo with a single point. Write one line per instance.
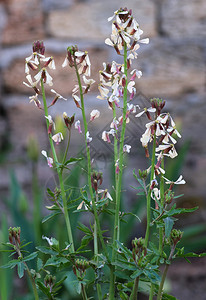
(174, 68)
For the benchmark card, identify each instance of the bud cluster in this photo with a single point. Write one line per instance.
(138, 249)
(14, 235)
(49, 281)
(80, 267)
(175, 237)
(96, 180)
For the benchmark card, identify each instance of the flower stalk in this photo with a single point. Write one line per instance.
(149, 193)
(59, 172)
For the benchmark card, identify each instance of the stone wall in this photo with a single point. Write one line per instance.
(173, 67)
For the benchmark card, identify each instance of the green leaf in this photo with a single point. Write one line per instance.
(39, 264)
(11, 264)
(168, 297)
(124, 249)
(137, 273)
(31, 256)
(122, 275)
(50, 216)
(85, 229)
(46, 250)
(125, 265)
(73, 160)
(55, 261)
(43, 288)
(177, 211)
(21, 267)
(169, 222)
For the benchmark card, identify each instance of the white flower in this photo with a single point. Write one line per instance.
(49, 159)
(85, 65)
(168, 150)
(43, 74)
(180, 180)
(65, 63)
(131, 87)
(58, 137)
(103, 92)
(126, 148)
(49, 118)
(77, 125)
(76, 100)
(135, 74)
(89, 139)
(146, 137)
(94, 114)
(58, 95)
(146, 110)
(49, 62)
(155, 194)
(105, 193)
(31, 83)
(80, 206)
(49, 240)
(88, 81)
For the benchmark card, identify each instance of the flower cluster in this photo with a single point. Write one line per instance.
(160, 130)
(115, 84)
(37, 75)
(125, 29)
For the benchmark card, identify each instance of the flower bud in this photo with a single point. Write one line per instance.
(38, 46)
(68, 121)
(96, 180)
(143, 174)
(175, 236)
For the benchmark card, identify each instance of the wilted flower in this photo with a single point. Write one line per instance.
(35, 100)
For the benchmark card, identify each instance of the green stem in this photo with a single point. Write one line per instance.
(151, 292)
(84, 295)
(149, 193)
(99, 232)
(135, 289)
(162, 204)
(67, 148)
(160, 291)
(36, 296)
(98, 286)
(116, 234)
(37, 204)
(63, 193)
(159, 295)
